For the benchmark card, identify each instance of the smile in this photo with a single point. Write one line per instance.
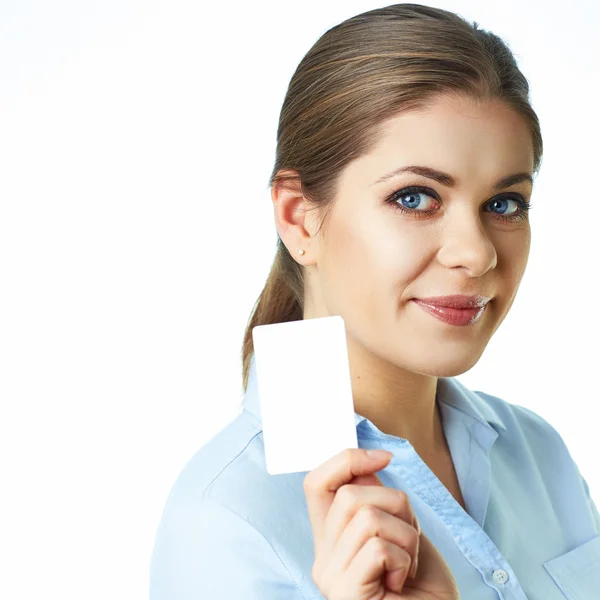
(453, 316)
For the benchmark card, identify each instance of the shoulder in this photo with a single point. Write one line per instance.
(215, 523)
(526, 440)
(225, 514)
(230, 471)
(530, 443)
(520, 421)
(534, 448)
(226, 461)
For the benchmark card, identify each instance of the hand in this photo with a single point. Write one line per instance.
(368, 542)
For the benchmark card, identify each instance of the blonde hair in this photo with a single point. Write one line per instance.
(359, 73)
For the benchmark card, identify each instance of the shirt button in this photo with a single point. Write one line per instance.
(500, 576)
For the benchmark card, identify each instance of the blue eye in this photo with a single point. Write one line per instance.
(502, 208)
(415, 199)
(409, 200)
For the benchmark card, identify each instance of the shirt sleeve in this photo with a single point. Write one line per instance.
(208, 551)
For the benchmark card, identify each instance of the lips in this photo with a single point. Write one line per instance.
(456, 301)
(454, 310)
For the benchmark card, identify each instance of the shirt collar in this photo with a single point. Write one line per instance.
(450, 391)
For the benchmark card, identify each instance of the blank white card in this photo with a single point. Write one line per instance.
(305, 392)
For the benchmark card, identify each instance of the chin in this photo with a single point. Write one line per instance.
(446, 364)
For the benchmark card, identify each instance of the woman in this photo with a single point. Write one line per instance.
(406, 152)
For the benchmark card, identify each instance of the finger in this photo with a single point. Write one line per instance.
(413, 573)
(322, 483)
(376, 558)
(350, 498)
(370, 522)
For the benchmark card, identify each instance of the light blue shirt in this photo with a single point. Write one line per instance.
(231, 531)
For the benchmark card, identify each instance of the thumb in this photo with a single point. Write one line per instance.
(378, 464)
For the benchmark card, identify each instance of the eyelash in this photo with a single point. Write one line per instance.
(419, 214)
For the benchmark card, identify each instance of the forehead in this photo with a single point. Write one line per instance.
(468, 138)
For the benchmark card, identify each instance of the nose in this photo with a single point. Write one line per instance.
(466, 244)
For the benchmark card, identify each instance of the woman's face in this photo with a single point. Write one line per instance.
(468, 238)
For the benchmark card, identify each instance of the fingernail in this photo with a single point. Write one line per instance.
(379, 454)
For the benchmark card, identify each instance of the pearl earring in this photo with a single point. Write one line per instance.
(301, 252)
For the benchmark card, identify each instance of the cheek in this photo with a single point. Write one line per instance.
(513, 255)
(348, 267)
(402, 253)
(374, 257)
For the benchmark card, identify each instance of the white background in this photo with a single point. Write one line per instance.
(137, 230)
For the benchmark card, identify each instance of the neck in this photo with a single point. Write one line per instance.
(398, 402)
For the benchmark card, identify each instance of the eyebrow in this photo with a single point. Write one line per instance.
(449, 181)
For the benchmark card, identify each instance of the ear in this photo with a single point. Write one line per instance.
(294, 217)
